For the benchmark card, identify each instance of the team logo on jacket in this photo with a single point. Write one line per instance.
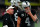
(6, 18)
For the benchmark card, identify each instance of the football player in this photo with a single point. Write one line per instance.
(16, 10)
(27, 17)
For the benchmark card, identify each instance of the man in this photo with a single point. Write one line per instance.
(7, 19)
(16, 10)
(27, 17)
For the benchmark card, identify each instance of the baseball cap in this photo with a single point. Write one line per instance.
(9, 8)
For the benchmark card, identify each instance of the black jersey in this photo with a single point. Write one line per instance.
(16, 16)
(7, 20)
(26, 20)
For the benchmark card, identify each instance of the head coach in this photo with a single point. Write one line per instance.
(7, 18)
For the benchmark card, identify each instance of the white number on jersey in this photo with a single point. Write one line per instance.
(15, 16)
(27, 21)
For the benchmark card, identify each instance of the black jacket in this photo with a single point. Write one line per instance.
(7, 20)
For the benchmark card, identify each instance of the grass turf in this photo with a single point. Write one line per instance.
(36, 24)
(1, 24)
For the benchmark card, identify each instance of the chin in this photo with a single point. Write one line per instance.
(12, 13)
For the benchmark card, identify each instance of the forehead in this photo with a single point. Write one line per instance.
(11, 9)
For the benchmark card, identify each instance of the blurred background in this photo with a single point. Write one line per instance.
(35, 5)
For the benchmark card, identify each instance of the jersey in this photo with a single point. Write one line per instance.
(26, 20)
(7, 20)
(16, 16)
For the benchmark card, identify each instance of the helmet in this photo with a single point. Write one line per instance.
(18, 0)
(15, 2)
(25, 4)
(12, 2)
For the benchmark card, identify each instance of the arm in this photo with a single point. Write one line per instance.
(18, 21)
(34, 17)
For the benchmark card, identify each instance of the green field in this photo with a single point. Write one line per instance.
(0, 24)
(36, 24)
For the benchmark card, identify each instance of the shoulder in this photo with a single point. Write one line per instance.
(19, 9)
(21, 14)
(33, 12)
(5, 15)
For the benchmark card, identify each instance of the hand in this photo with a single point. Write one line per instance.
(28, 11)
(5, 26)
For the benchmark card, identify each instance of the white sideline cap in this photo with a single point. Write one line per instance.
(9, 8)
